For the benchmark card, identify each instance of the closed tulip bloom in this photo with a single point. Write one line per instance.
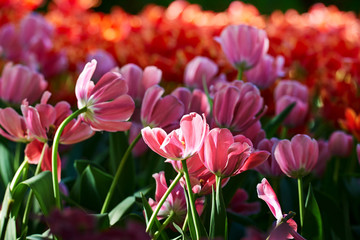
(138, 80)
(108, 107)
(265, 73)
(340, 144)
(237, 106)
(298, 113)
(255, 133)
(198, 69)
(181, 143)
(270, 167)
(239, 204)
(243, 45)
(195, 101)
(160, 112)
(291, 88)
(297, 157)
(266, 193)
(225, 155)
(105, 60)
(13, 126)
(324, 157)
(19, 82)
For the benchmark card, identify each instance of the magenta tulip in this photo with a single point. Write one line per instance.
(340, 144)
(291, 88)
(108, 107)
(297, 115)
(324, 157)
(270, 167)
(195, 101)
(105, 61)
(239, 204)
(297, 157)
(199, 69)
(243, 45)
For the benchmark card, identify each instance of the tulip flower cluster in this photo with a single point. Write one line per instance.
(174, 122)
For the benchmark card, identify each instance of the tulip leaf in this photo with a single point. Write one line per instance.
(6, 166)
(92, 184)
(103, 221)
(312, 218)
(272, 126)
(148, 212)
(6, 221)
(41, 185)
(119, 211)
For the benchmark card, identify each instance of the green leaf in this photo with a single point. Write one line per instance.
(148, 212)
(93, 185)
(5, 219)
(272, 126)
(81, 165)
(41, 185)
(312, 218)
(6, 164)
(103, 221)
(118, 212)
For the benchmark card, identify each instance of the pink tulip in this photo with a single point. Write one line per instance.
(195, 166)
(160, 112)
(13, 126)
(10, 43)
(265, 73)
(198, 69)
(324, 157)
(270, 167)
(297, 115)
(237, 106)
(19, 82)
(291, 88)
(181, 143)
(255, 133)
(175, 202)
(239, 204)
(297, 157)
(225, 155)
(266, 193)
(139, 81)
(204, 183)
(340, 144)
(243, 45)
(195, 101)
(108, 107)
(105, 61)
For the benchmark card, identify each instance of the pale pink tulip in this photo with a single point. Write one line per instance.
(225, 155)
(243, 45)
(340, 144)
(181, 143)
(266, 193)
(19, 82)
(237, 106)
(265, 73)
(195, 101)
(270, 167)
(297, 115)
(139, 81)
(13, 126)
(297, 157)
(160, 112)
(108, 107)
(239, 204)
(199, 69)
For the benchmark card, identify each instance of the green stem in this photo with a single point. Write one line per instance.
(17, 175)
(185, 222)
(162, 200)
(118, 174)
(31, 195)
(191, 198)
(55, 150)
(336, 170)
(301, 202)
(240, 73)
(206, 90)
(164, 225)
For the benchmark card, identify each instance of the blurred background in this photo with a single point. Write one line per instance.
(264, 6)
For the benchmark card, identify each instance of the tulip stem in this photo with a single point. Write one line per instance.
(164, 225)
(31, 194)
(17, 155)
(301, 202)
(240, 73)
(206, 90)
(191, 198)
(55, 150)
(118, 174)
(17, 175)
(162, 200)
